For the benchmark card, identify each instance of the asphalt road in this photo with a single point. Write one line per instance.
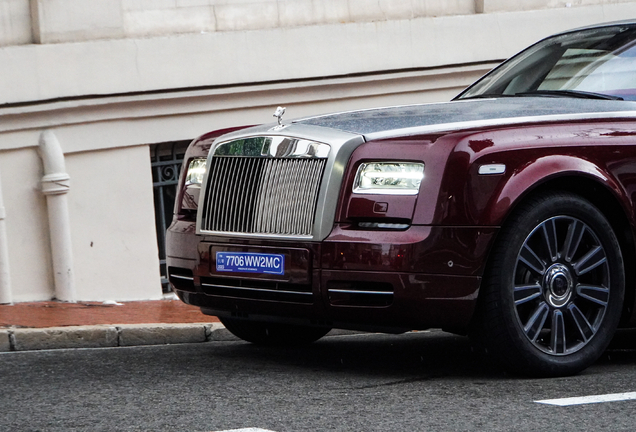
(426, 381)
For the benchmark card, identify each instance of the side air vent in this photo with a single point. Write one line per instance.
(181, 279)
(360, 293)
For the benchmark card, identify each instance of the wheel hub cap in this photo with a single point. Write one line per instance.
(559, 284)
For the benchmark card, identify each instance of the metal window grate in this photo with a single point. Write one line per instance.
(165, 161)
(255, 195)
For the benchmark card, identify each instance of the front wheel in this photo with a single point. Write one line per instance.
(273, 334)
(553, 293)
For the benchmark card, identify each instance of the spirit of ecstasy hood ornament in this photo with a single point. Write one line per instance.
(280, 111)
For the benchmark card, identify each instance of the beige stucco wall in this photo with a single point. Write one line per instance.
(141, 17)
(111, 214)
(58, 21)
(15, 22)
(243, 57)
(489, 6)
(27, 225)
(112, 225)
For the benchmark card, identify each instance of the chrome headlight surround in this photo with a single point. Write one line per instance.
(389, 178)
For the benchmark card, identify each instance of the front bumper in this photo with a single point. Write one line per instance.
(370, 280)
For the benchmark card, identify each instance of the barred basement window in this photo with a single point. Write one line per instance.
(166, 159)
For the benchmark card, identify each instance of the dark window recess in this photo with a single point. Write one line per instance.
(165, 160)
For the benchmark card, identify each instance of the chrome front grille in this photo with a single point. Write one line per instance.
(263, 194)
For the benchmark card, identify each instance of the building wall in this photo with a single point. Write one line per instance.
(27, 225)
(15, 22)
(58, 21)
(113, 78)
(111, 209)
(116, 66)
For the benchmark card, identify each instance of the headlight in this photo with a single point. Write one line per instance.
(196, 170)
(389, 178)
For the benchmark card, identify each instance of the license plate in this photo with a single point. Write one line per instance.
(244, 262)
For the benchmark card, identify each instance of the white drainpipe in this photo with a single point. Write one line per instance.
(55, 185)
(5, 276)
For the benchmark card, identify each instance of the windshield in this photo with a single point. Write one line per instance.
(597, 63)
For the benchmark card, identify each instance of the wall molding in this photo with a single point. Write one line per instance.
(154, 107)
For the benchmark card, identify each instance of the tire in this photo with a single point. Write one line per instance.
(553, 292)
(273, 334)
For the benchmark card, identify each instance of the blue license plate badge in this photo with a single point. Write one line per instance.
(245, 262)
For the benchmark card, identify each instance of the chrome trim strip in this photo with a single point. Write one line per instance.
(387, 191)
(341, 291)
(509, 121)
(257, 289)
(188, 278)
(272, 146)
(257, 235)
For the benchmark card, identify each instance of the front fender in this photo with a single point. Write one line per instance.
(524, 179)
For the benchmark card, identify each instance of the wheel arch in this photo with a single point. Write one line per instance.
(604, 197)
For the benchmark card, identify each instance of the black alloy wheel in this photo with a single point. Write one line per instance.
(554, 291)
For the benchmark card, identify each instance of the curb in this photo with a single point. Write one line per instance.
(101, 336)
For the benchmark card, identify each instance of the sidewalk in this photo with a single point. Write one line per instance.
(56, 325)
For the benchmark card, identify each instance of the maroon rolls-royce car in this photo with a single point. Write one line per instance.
(507, 214)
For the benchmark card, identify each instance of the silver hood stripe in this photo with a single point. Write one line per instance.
(499, 122)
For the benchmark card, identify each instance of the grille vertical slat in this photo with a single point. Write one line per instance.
(231, 195)
(223, 209)
(284, 203)
(294, 196)
(219, 209)
(227, 209)
(246, 203)
(262, 195)
(277, 182)
(312, 174)
(208, 208)
(288, 203)
(314, 187)
(216, 209)
(240, 193)
(272, 172)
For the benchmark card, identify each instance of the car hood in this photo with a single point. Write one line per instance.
(467, 114)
